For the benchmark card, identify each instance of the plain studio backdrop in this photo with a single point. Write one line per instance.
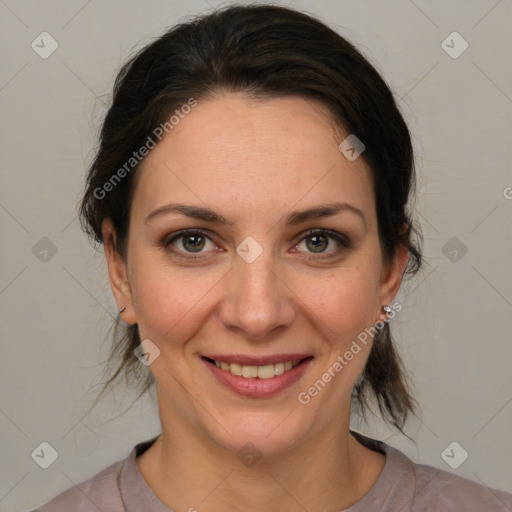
(448, 64)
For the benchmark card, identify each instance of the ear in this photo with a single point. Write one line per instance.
(118, 275)
(391, 276)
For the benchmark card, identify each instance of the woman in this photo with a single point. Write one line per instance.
(251, 193)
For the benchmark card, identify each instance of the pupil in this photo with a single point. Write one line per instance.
(194, 245)
(317, 242)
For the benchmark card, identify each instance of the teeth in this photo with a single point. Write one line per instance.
(249, 372)
(267, 371)
(235, 369)
(279, 368)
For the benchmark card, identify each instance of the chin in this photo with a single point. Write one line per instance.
(267, 434)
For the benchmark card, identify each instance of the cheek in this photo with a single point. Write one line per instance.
(169, 301)
(347, 313)
(344, 304)
(344, 301)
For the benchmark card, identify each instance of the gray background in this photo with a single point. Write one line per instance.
(453, 332)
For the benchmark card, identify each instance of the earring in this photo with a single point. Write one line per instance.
(122, 309)
(386, 310)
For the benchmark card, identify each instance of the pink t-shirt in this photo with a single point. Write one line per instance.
(402, 486)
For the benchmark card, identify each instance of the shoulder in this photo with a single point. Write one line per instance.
(100, 492)
(437, 489)
(411, 487)
(403, 485)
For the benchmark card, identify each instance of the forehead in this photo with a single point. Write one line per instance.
(265, 155)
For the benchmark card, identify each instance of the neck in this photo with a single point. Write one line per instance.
(330, 472)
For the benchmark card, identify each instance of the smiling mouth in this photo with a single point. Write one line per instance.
(268, 371)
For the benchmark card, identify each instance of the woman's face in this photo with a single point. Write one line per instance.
(252, 287)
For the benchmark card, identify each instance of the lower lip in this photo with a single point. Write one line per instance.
(255, 387)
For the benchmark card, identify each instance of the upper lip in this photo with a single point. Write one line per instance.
(256, 360)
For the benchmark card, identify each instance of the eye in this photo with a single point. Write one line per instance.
(318, 241)
(191, 241)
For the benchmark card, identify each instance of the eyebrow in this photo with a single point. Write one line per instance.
(292, 219)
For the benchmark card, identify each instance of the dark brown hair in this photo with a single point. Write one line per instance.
(265, 51)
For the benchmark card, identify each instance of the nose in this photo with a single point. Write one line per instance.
(258, 302)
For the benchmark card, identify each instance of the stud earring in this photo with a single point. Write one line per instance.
(386, 310)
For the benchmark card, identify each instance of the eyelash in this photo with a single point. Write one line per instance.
(338, 237)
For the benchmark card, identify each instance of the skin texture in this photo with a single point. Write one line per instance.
(254, 161)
